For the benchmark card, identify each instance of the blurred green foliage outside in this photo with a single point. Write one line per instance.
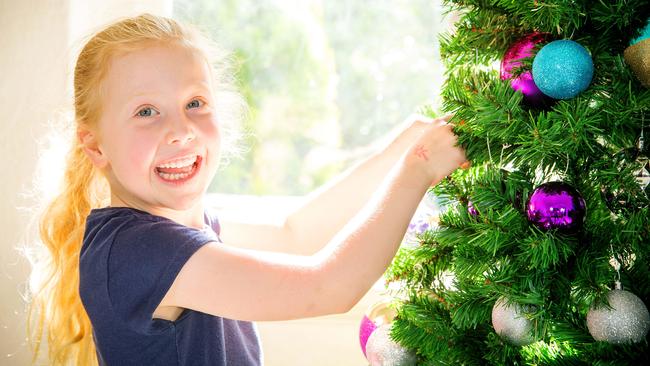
(322, 79)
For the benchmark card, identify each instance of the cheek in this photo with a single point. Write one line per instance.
(135, 154)
(143, 152)
(209, 126)
(215, 140)
(212, 133)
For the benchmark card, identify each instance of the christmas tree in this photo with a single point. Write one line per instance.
(542, 252)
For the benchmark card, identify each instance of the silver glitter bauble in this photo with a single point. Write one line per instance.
(381, 350)
(628, 320)
(511, 324)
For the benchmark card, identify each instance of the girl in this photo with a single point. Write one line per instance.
(138, 274)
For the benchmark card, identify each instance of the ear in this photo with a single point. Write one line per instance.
(90, 143)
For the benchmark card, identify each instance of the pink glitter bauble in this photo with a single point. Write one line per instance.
(524, 83)
(365, 330)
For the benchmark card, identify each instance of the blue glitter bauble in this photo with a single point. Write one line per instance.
(563, 69)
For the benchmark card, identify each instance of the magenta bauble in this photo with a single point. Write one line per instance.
(521, 49)
(376, 315)
(556, 205)
(365, 330)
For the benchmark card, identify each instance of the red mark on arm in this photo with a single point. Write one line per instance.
(421, 152)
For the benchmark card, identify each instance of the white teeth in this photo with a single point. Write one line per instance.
(180, 163)
(174, 176)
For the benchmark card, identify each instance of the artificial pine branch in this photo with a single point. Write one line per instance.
(589, 141)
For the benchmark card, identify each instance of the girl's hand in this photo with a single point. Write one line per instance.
(435, 150)
(405, 134)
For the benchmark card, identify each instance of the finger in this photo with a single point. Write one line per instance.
(443, 119)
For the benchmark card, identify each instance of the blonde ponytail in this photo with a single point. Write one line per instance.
(56, 300)
(55, 305)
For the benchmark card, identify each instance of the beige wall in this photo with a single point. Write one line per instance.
(38, 42)
(36, 52)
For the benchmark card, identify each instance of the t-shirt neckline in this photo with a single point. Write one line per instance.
(206, 225)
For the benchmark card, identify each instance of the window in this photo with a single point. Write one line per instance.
(323, 80)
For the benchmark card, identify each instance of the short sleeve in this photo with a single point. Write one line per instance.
(213, 221)
(144, 260)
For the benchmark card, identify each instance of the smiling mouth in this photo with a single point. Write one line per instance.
(178, 175)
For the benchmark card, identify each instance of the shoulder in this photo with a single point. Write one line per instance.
(124, 238)
(134, 217)
(155, 237)
(109, 221)
(136, 261)
(131, 224)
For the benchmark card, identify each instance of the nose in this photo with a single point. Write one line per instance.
(181, 131)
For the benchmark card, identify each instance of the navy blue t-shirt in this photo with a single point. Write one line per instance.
(128, 261)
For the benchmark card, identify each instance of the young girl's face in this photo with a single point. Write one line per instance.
(159, 132)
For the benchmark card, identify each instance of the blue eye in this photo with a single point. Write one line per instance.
(149, 109)
(195, 103)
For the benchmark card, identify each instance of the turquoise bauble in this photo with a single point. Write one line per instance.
(563, 69)
(637, 55)
(645, 34)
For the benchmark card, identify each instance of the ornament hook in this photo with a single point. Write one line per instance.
(617, 267)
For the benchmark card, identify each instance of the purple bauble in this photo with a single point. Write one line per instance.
(471, 209)
(524, 83)
(556, 205)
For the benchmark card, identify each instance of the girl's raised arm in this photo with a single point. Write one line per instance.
(255, 285)
(321, 214)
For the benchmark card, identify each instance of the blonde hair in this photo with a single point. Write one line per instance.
(55, 277)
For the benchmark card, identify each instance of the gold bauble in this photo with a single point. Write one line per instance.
(638, 57)
(381, 313)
